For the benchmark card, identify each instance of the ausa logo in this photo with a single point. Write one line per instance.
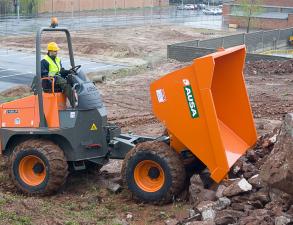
(190, 99)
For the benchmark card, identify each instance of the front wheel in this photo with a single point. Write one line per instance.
(153, 172)
(38, 167)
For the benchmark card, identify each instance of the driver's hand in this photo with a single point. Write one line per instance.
(64, 73)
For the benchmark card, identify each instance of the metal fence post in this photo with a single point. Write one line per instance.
(279, 35)
(223, 42)
(262, 40)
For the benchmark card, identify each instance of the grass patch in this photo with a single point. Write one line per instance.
(13, 218)
(11, 98)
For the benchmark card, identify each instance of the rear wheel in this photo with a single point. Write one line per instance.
(153, 172)
(38, 167)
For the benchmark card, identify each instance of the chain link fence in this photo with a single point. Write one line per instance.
(89, 14)
(256, 42)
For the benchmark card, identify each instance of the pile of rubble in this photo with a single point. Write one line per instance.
(269, 67)
(260, 188)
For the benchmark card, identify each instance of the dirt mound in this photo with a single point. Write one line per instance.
(269, 67)
(173, 35)
(277, 171)
(246, 198)
(16, 91)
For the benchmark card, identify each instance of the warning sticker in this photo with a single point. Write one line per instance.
(72, 115)
(161, 95)
(94, 127)
(17, 121)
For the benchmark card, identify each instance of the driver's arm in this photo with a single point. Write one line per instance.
(44, 68)
(63, 72)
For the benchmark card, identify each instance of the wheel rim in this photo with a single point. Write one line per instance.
(32, 170)
(149, 176)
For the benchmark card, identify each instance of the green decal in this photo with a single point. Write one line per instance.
(191, 102)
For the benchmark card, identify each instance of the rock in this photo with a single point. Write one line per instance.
(198, 193)
(114, 187)
(251, 220)
(196, 187)
(222, 203)
(208, 214)
(262, 216)
(205, 204)
(257, 204)
(249, 170)
(239, 198)
(200, 223)
(171, 222)
(252, 156)
(262, 196)
(227, 217)
(237, 187)
(256, 181)
(282, 220)
(273, 139)
(207, 210)
(238, 206)
(129, 216)
(277, 171)
(219, 192)
(194, 215)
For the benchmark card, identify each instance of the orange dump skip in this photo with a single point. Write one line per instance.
(206, 109)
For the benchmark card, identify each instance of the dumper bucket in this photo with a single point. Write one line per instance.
(205, 108)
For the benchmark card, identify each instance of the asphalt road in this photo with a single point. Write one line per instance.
(18, 68)
(13, 26)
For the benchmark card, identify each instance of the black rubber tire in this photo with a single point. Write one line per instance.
(169, 161)
(55, 164)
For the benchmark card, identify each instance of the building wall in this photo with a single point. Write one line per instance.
(85, 5)
(282, 3)
(261, 23)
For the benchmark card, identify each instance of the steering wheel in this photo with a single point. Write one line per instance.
(75, 68)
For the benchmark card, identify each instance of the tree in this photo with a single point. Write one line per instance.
(30, 6)
(249, 9)
(5, 7)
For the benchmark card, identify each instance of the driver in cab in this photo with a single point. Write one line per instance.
(51, 67)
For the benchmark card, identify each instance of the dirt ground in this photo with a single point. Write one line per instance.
(84, 199)
(130, 44)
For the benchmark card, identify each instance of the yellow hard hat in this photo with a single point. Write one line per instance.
(52, 46)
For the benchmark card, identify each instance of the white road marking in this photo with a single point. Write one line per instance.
(3, 69)
(14, 75)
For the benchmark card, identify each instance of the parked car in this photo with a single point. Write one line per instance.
(191, 7)
(214, 11)
(209, 12)
(187, 7)
(201, 6)
(218, 11)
